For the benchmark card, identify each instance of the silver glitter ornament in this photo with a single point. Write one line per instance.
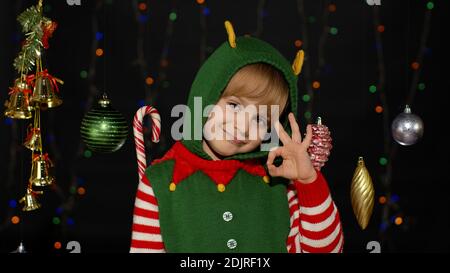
(407, 128)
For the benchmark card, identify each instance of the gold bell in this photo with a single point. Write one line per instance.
(44, 93)
(30, 201)
(18, 106)
(40, 171)
(33, 140)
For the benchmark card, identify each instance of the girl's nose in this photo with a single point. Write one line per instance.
(242, 124)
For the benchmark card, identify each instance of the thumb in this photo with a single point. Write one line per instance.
(274, 171)
(273, 154)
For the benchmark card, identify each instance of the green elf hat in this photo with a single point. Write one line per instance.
(219, 68)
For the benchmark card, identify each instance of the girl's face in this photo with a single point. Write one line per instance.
(235, 125)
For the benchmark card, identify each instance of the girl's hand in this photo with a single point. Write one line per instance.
(296, 164)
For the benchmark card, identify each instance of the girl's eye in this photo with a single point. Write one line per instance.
(261, 120)
(234, 106)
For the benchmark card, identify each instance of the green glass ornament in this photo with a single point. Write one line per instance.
(104, 129)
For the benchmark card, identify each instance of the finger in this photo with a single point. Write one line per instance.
(284, 137)
(296, 135)
(272, 155)
(308, 137)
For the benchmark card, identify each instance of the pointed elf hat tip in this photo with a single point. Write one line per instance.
(231, 34)
(298, 62)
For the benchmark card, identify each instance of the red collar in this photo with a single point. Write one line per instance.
(220, 171)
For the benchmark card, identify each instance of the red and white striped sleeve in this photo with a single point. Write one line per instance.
(315, 221)
(146, 233)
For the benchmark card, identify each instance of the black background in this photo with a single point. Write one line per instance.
(102, 217)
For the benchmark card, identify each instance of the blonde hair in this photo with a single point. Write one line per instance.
(262, 82)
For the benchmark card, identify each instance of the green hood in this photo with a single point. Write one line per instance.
(219, 68)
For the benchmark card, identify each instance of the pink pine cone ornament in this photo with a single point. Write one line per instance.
(319, 149)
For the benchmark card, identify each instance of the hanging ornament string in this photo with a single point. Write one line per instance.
(141, 12)
(22, 67)
(105, 49)
(203, 12)
(418, 63)
(311, 79)
(260, 14)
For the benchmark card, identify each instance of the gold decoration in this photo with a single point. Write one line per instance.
(231, 35)
(34, 138)
(45, 91)
(30, 94)
(298, 62)
(221, 187)
(41, 171)
(18, 106)
(29, 200)
(362, 194)
(104, 129)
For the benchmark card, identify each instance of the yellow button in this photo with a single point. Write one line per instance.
(172, 186)
(221, 187)
(266, 179)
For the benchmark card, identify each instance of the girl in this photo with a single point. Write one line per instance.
(225, 194)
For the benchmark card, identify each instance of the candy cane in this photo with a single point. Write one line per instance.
(147, 240)
(139, 136)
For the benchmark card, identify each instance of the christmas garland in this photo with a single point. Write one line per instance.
(37, 29)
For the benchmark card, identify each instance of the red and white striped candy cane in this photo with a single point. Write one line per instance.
(139, 136)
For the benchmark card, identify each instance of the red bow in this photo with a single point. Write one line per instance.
(53, 80)
(32, 130)
(48, 30)
(15, 90)
(30, 79)
(44, 157)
